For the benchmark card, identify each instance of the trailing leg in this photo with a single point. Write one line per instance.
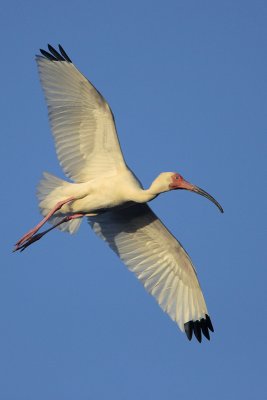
(33, 238)
(33, 231)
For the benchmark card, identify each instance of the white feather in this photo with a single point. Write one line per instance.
(150, 251)
(86, 141)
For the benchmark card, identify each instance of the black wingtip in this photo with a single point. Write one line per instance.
(197, 331)
(188, 327)
(64, 54)
(199, 327)
(204, 328)
(209, 324)
(54, 55)
(48, 55)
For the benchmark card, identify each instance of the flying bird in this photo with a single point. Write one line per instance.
(108, 194)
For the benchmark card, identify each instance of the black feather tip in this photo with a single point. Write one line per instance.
(54, 55)
(198, 328)
(188, 327)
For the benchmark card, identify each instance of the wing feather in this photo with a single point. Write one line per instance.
(158, 260)
(81, 120)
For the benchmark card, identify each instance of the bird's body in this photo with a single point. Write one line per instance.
(107, 192)
(103, 193)
(96, 194)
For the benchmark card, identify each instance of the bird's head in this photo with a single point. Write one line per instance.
(173, 181)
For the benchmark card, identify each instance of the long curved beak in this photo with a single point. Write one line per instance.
(207, 195)
(188, 186)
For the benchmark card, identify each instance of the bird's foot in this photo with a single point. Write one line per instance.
(25, 238)
(32, 236)
(22, 245)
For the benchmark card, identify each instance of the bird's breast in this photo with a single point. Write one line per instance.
(106, 193)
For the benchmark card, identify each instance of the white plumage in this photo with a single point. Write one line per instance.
(158, 260)
(110, 196)
(82, 123)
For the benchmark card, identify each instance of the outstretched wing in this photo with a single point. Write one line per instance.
(150, 251)
(82, 122)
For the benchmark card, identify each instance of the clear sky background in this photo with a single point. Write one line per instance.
(187, 83)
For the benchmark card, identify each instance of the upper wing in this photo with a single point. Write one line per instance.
(82, 122)
(149, 250)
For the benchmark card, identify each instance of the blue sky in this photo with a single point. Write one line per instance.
(187, 83)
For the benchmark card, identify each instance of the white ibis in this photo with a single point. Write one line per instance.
(110, 196)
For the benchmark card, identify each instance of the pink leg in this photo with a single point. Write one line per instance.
(38, 236)
(29, 234)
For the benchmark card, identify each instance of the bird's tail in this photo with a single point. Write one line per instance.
(50, 191)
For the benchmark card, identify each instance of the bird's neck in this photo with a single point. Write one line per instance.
(139, 195)
(146, 195)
